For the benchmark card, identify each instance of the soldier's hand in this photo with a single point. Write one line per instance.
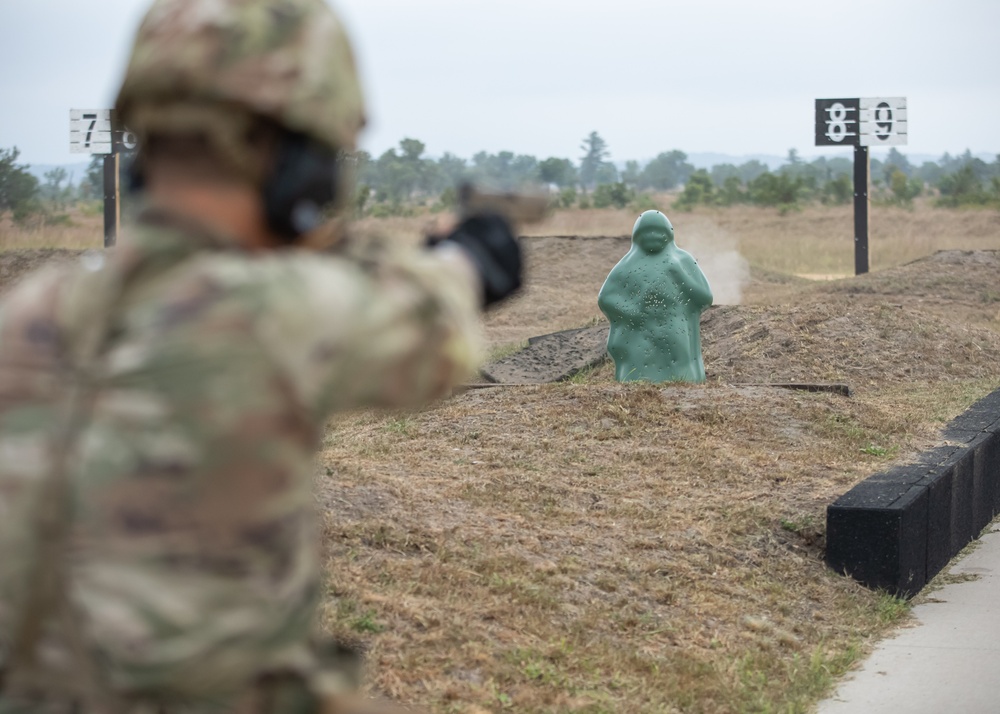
(488, 240)
(440, 227)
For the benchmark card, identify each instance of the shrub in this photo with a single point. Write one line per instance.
(962, 188)
(838, 191)
(776, 190)
(699, 189)
(731, 192)
(612, 194)
(643, 202)
(904, 189)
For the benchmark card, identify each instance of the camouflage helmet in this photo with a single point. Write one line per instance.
(287, 60)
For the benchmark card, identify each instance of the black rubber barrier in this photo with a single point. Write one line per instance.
(896, 530)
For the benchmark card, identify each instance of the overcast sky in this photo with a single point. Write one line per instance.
(536, 76)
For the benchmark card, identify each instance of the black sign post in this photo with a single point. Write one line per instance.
(97, 132)
(862, 164)
(112, 209)
(877, 121)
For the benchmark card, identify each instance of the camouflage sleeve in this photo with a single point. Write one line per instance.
(396, 332)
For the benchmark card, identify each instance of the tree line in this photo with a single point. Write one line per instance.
(404, 178)
(955, 181)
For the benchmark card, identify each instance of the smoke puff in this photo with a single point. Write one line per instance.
(727, 271)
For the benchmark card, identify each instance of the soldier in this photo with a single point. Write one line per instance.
(160, 405)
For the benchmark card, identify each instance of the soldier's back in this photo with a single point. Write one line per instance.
(185, 384)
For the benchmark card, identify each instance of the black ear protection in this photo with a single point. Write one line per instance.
(135, 182)
(301, 185)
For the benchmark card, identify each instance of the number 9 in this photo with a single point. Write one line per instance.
(883, 120)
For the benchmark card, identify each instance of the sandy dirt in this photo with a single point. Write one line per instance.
(16, 264)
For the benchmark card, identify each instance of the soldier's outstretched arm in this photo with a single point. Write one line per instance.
(395, 332)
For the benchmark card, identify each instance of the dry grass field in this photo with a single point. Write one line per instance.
(589, 546)
(595, 547)
(817, 240)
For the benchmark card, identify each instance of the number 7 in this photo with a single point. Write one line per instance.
(90, 131)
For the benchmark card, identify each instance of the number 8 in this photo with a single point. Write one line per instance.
(837, 124)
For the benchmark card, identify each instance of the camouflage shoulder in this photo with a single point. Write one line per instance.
(338, 327)
(43, 291)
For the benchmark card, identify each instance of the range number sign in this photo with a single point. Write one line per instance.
(95, 131)
(870, 121)
(861, 123)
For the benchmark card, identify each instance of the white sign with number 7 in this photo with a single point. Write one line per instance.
(90, 131)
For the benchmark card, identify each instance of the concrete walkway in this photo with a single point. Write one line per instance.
(949, 661)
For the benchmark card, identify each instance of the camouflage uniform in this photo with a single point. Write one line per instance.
(160, 406)
(194, 562)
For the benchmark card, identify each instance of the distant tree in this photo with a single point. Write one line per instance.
(53, 189)
(560, 172)
(962, 188)
(981, 169)
(896, 160)
(751, 170)
(875, 171)
(18, 188)
(449, 198)
(92, 185)
(567, 197)
(630, 176)
(731, 192)
(452, 170)
(523, 169)
(810, 174)
(607, 172)
(668, 170)
(412, 149)
(361, 195)
(396, 179)
(504, 169)
(930, 173)
(595, 156)
(780, 189)
(720, 173)
(419, 170)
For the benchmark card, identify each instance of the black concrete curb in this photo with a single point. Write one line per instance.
(896, 530)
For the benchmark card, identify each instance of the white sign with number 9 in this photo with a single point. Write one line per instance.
(883, 121)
